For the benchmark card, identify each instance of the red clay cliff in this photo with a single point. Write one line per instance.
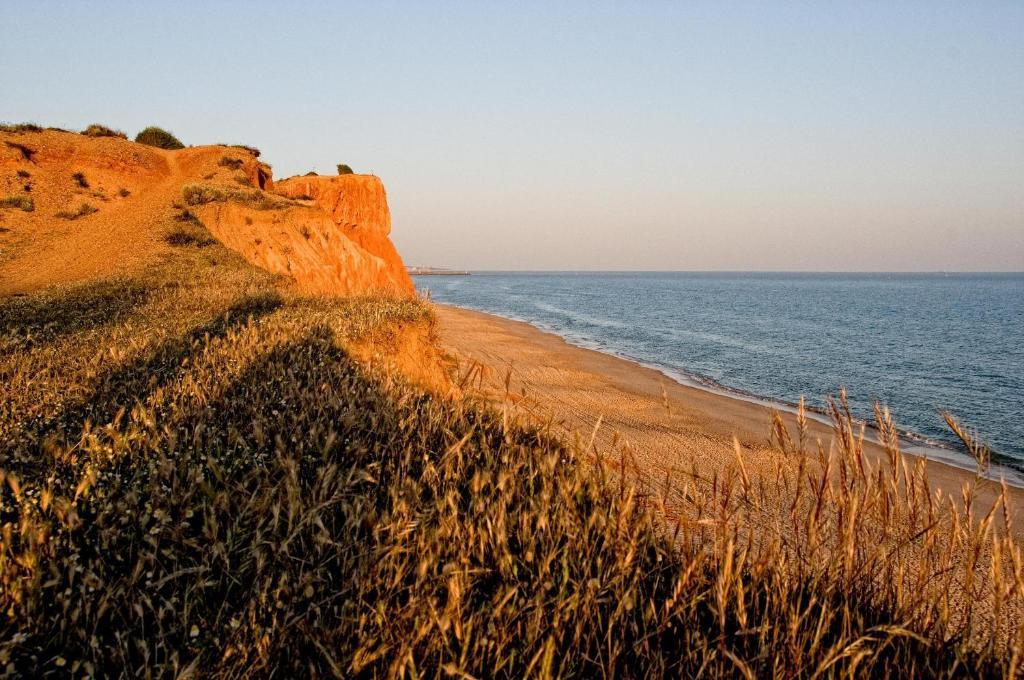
(328, 234)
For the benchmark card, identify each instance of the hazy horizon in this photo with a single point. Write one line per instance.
(837, 272)
(586, 136)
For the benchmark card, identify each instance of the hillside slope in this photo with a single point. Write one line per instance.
(76, 207)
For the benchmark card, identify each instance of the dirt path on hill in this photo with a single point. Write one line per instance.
(123, 235)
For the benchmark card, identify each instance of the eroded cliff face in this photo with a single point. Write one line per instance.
(303, 243)
(331, 236)
(358, 205)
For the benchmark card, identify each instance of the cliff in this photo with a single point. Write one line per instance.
(358, 205)
(74, 207)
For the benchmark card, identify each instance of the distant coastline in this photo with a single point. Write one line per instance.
(415, 270)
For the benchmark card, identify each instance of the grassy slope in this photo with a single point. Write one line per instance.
(199, 477)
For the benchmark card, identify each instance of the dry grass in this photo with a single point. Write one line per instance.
(82, 210)
(229, 162)
(20, 202)
(201, 194)
(200, 480)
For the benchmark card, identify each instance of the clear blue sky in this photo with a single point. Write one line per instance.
(590, 135)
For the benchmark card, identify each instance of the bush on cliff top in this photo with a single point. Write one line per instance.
(344, 169)
(245, 147)
(20, 127)
(97, 130)
(160, 138)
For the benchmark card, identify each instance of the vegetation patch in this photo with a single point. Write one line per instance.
(82, 210)
(200, 194)
(311, 173)
(344, 169)
(97, 130)
(20, 202)
(24, 174)
(187, 216)
(123, 193)
(251, 149)
(80, 180)
(20, 127)
(160, 138)
(189, 237)
(229, 162)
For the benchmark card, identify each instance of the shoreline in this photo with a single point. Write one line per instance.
(912, 444)
(664, 420)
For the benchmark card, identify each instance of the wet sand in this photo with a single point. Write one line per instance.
(663, 424)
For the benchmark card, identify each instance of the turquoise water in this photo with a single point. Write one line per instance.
(921, 343)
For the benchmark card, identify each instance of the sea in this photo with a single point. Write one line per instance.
(922, 344)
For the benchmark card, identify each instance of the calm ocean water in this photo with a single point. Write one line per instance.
(921, 343)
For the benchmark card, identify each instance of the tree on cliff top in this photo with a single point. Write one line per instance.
(344, 169)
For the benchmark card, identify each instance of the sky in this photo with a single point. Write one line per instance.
(868, 136)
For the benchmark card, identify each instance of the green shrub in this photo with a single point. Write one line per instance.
(20, 202)
(160, 138)
(24, 174)
(311, 173)
(229, 162)
(251, 149)
(344, 169)
(123, 193)
(97, 130)
(80, 180)
(83, 210)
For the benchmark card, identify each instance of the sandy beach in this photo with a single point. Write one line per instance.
(663, 424)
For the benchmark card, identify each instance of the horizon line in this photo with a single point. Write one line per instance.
(732, 271)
